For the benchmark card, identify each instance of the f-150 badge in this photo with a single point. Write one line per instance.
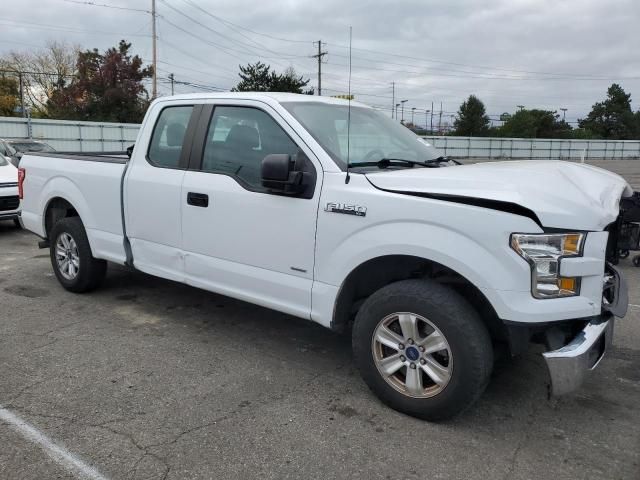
(347, 208)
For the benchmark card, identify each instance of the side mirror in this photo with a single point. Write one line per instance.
(279, 174)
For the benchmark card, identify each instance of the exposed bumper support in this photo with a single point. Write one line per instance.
(569, 365)
(9, 216)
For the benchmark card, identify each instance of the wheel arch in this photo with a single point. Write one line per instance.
(375, 273)
(65, 197)
(56, 208)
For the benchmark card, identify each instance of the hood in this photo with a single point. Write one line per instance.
(560, 194)
(8, 173)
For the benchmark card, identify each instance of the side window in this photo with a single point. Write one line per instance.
(168, 135)
(239, 138)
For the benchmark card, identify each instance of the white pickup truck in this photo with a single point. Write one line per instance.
(9, 200)
(337, 214)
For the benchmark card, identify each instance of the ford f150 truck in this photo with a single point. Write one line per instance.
(332, 212)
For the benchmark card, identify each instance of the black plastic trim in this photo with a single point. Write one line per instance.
(84, 157)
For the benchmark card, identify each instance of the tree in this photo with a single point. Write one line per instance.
(259, 77)
(472, 118)
(535, 123)
(254, 78)
(45, 71)
(108, 87)
(9, 96)
(613, 118)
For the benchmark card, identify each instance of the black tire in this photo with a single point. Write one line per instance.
(463, 329)
(16, 222)
(623, 254)
(91, 271)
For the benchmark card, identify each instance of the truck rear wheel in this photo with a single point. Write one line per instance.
(422, 349)
(74, 265)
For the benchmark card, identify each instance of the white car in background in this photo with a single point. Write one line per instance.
(9, 198)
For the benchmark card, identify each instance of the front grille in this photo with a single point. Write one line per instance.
(9, 203)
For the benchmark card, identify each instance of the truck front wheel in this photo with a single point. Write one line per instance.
(74, 265)
(422, 349)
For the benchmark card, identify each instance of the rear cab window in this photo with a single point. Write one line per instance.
(167, 139)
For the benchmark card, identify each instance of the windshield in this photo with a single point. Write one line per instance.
(373, 135)
(31, 147)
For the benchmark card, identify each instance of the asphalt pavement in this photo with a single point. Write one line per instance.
(150, 379)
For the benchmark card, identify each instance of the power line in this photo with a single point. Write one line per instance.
(192, 56)
(246, 46)
(236, 29)
(93, 4)
(378, 52)
(479, 76)
(59, 28)
(248, 29)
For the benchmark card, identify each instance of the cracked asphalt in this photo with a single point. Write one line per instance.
(149, 379)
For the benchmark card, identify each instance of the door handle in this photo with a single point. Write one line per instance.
(198, 199)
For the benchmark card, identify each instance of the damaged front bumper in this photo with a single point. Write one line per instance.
(569, 366)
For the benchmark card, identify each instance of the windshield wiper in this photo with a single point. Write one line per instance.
(394, 162)
(442, 159)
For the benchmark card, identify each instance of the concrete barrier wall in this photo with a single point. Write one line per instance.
(102, 136)
(67, 135)
(535, 148)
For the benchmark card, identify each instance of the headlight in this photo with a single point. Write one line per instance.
(543, 252)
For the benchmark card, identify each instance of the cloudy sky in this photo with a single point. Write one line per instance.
(548, 54)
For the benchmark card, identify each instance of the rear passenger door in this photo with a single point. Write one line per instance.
(153, 191)
(238, 238)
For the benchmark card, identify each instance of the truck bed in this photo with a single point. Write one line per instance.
(91, 182)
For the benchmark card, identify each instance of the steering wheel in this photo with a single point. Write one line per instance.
(372, 154)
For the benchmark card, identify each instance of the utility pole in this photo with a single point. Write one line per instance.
(171, 77)
(426, 120)
(431, 130)
(564, 112)
(413, 112)
(402, 102)
(393, 97)
(319, 56)
(397, 105)
(440, 119)
(24, 113)
(154, 88)
(521, 107)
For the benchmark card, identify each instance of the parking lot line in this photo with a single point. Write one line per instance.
(57, 453)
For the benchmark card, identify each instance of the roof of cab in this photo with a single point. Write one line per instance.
(269, 97)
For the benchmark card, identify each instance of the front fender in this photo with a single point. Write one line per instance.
(492, 265)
